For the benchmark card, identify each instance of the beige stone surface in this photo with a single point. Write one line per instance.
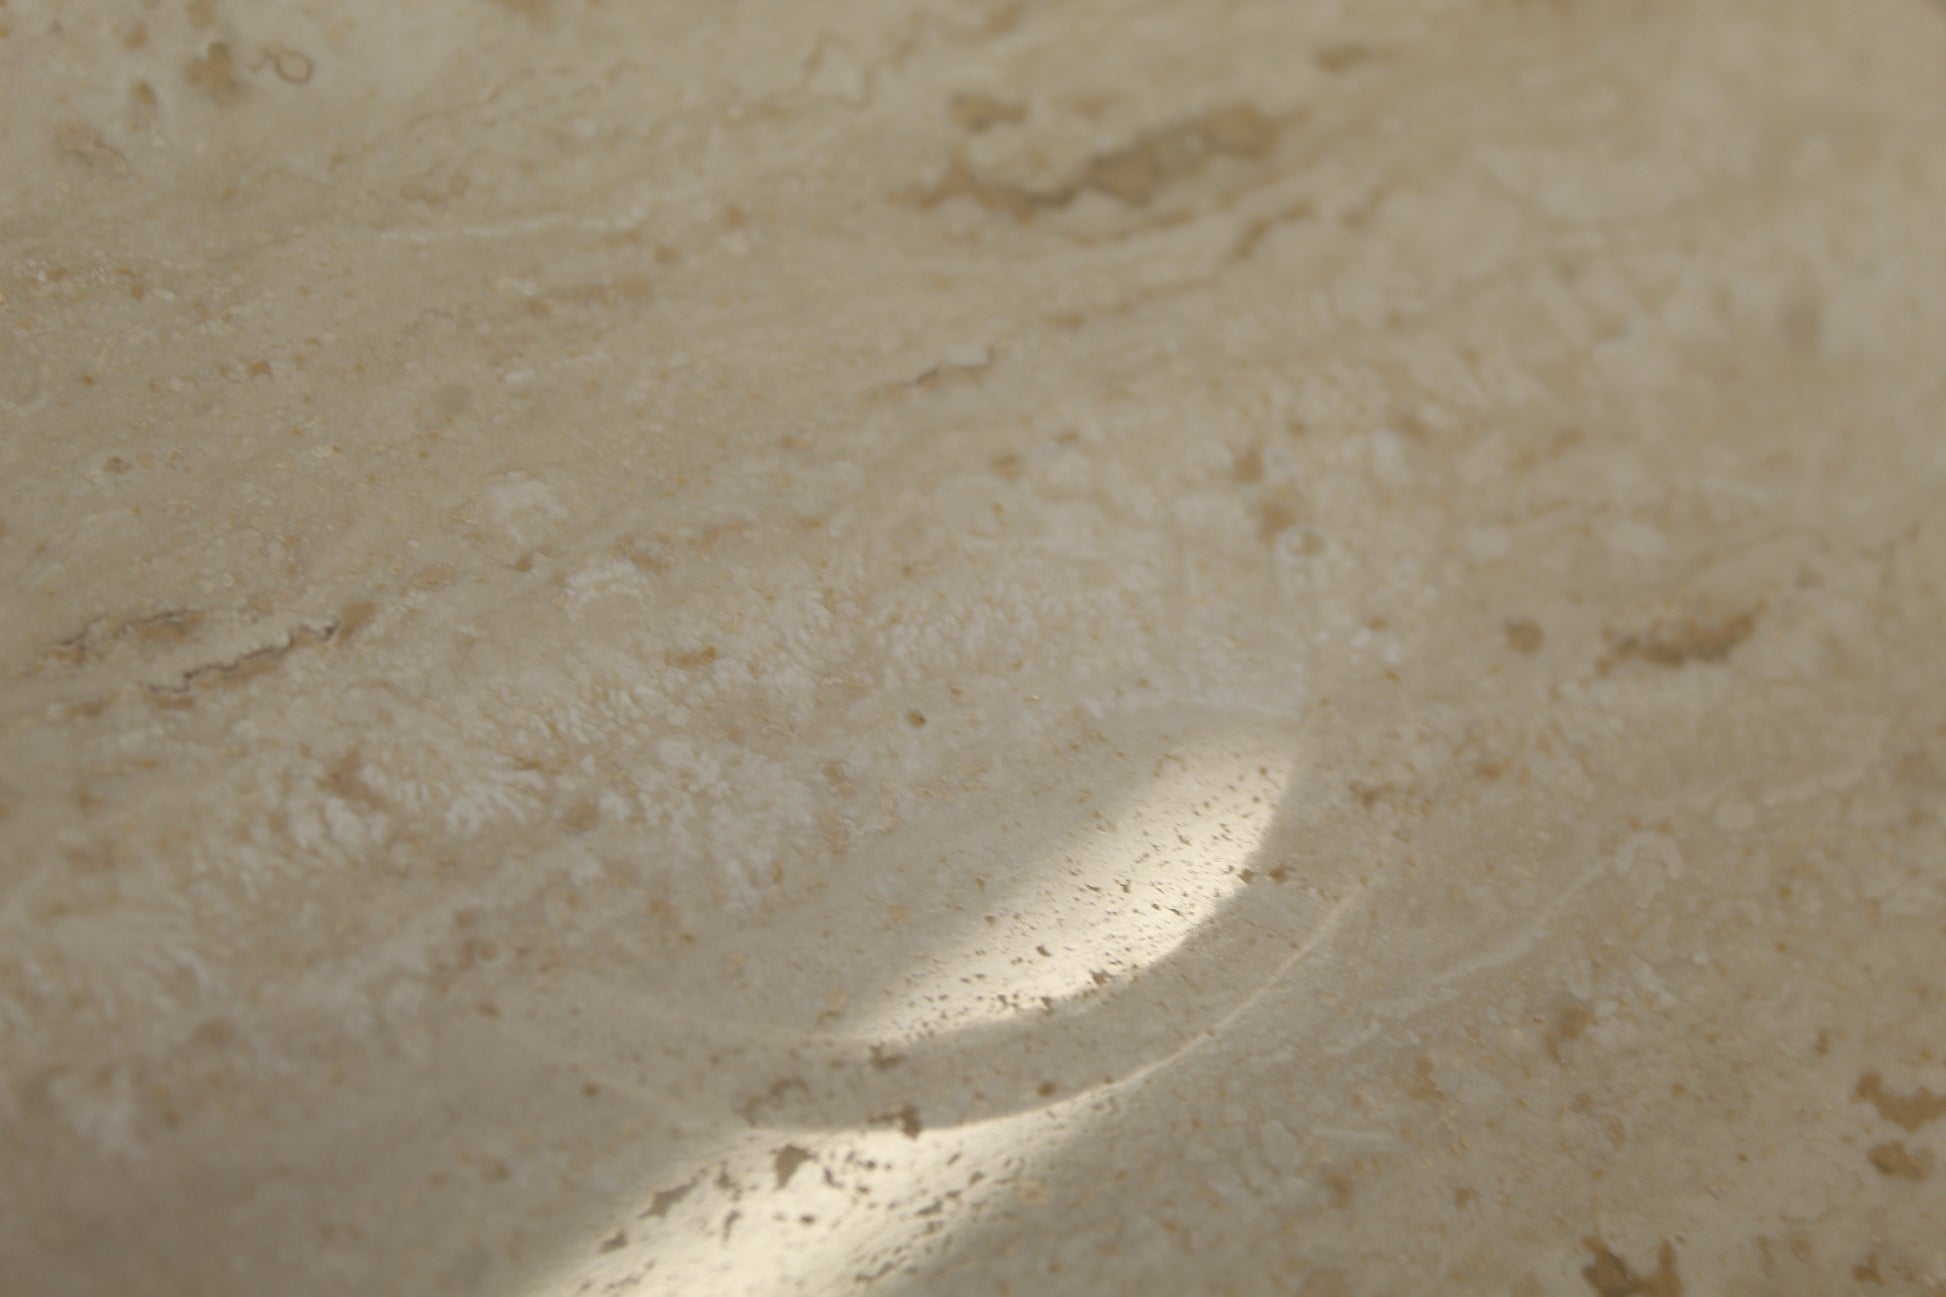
(1157, 646)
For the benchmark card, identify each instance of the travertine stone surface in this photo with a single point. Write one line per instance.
(1179, 646)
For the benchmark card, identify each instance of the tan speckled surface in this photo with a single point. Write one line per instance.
(1170, 646)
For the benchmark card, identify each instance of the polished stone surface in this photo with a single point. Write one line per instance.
(1218, 646)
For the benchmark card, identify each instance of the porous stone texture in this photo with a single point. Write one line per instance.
(1156, 646)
